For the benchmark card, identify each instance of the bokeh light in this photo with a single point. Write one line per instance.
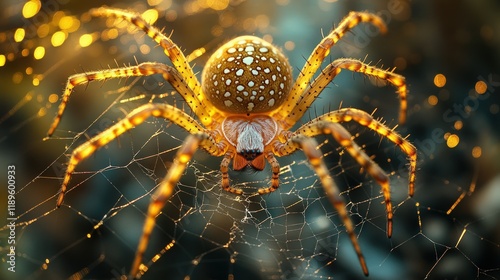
(440, 80)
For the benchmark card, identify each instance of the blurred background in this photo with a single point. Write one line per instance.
(449, 52)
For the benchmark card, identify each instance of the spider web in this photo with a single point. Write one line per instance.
(447, 230)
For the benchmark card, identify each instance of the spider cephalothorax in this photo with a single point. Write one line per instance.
(245, 108)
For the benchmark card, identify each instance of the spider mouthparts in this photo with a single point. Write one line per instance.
(250, 154)
(252, 158)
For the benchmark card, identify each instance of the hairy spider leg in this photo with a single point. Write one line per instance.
(332, 70)
(224, 168)
(344, 138)
(133, 119)
(275, 169)
(165, 189)
(365, 119)
(171, 49)
(143, 69)
(319, 54)
(308, 146)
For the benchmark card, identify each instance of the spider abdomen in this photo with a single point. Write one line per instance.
(247, 75)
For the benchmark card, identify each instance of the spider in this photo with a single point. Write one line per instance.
(245, 106)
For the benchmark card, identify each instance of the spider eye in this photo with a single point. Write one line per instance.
(247, 75)
(250, 154)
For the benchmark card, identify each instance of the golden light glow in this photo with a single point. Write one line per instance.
(109, 34)
(39, 52)
(218, 5)
(86, 40)
(37, 79)
(19, 35)
(289, 45)
(66, 22)
(476, 152)
(25, 52)
(143, 268)
(43, 30)
(69, 23)
(2, 60)
(145, 49)
(452, 141)
(42, 112)
(57, 16)
(150, 16)
(31, 8)
(433, 100)
(132, 49)
(17, 77)
(156, 257)
(283, 2)
(195, 54)
(458, 125)
(480, 87)
(171, 15)
(58, 38)
(113, 33)
(154, 2)
(440, 80)
(53, 98)
(262, 21)
(29, 70)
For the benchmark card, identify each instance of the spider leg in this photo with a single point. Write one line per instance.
(165, 189)
(321, 51)
(365, 119)
(170, 48)
(308, 146)
(331, 71)
(143, 69)
(224, 168)
(275, 169)
(133, 119)
(344, 138)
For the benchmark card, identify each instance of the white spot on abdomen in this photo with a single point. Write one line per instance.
(248, 60)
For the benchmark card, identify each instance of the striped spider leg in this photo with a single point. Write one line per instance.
(304, 93)
(361, 117)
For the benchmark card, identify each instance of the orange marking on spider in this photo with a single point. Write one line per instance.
(245, 105)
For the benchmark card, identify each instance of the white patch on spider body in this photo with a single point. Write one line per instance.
(249, 139)
(248, 60)
(249, 133)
